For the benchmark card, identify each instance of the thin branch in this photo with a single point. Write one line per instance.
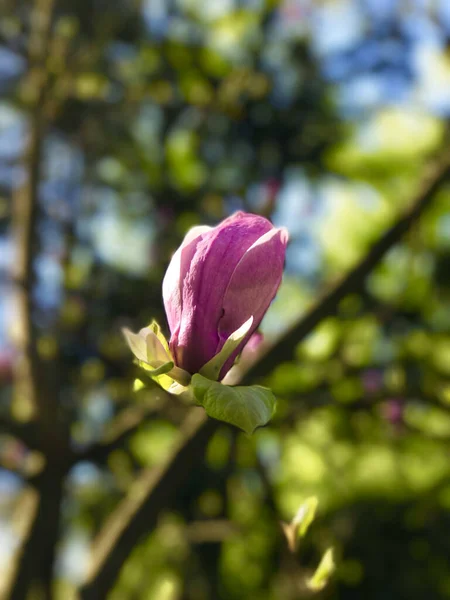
(326, 306)
(147, 497)
(137, 514)
(212, 531)
(27, 505)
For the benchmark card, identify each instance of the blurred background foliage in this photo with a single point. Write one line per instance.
(162, 114)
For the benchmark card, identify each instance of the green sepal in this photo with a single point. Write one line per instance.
(246, 407)
(166, 375)
(159, 334)
(153, 355)
(211, 370)
(157, 370)
(149, 345)
(136, 343)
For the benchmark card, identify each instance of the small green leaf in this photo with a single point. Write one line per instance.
(247, 407)
(138, 385)
(212, 368)
(305, 515)
(323, 572)
(299, 525)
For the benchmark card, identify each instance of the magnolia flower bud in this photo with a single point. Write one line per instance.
(217, 280)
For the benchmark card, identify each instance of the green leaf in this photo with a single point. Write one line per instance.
(299, 525)
(247, 407)
(212, 368)
(305, 515)
(323, 572)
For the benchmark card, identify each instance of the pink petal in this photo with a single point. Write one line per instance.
(176, 272)
(253, 286)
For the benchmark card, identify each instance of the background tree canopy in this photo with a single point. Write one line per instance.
(122, 124)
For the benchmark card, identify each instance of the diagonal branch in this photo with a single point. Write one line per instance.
(137, 514)
(155, 486)
(326, 306)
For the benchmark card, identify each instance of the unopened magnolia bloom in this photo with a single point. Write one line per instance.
(219, 280)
